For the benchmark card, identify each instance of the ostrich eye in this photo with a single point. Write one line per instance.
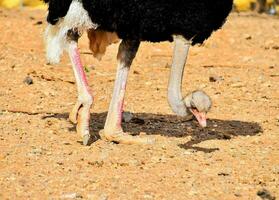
(193, 106)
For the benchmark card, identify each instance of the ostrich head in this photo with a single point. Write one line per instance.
(198, 103)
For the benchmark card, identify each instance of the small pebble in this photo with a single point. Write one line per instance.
(148, 196)
(167, 65)
(36, 151)
(71, 196)
(223, 174)
(237, 194)
(265, 194)
(103, 197)
(237, 85)
(38, 23)
(136, 72)
(247, 36)
(28, 80)
(275, 47)
(127, 117)
(215, 78)
(142, 133)
(59, 163)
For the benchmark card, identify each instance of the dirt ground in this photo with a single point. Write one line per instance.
(235, 157)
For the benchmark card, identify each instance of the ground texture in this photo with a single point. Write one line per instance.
(236, 157)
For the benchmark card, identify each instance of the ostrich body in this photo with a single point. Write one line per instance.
(187, 22)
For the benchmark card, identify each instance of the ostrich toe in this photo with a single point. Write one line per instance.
(124, 138)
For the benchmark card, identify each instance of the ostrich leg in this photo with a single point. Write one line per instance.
(81, 111)
(113, 130)
(175, 99)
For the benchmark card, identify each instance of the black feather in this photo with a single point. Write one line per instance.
(57, 9)
(158, 20)
(152, 20)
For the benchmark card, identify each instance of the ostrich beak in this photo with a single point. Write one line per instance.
(200, 116)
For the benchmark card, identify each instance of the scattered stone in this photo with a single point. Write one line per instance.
(264, 97)
(188, 152)
(226, 136)
(28, 80)
(148, 196)
(247, 37)
(38, 23)
(96, 163)
(275, 47)
(208, 66)
(247, 59)
(36, 151)
(95, 196)
(72, 196)
(215, 78)
(127, 117)
(142, 133)
(265, 195)
(67, 143)
(134, 162)
(237, 194)
(158, 159)
(267, 84)
(148, 83)
(59, 163)
(103, 197)
(167, 65)
(237, 85)
(268, 44)
(202, 86)
(223, 174)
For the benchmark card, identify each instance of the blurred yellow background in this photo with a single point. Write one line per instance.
(16, 3)
(240, 5)
(245, 5)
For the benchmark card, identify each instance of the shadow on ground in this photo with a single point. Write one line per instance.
(173, 126)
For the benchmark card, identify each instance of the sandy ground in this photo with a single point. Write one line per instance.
(235, 157)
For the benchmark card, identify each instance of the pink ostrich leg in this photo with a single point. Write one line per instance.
(81, 111)
(113, 130)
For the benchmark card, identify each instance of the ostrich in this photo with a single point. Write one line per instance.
(186, 22)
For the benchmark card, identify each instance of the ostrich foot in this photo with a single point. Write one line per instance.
(80, 116)
(124, 138)
(74, 113)
(83, 126)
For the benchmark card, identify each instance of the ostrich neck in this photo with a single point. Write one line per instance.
(175, 99)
